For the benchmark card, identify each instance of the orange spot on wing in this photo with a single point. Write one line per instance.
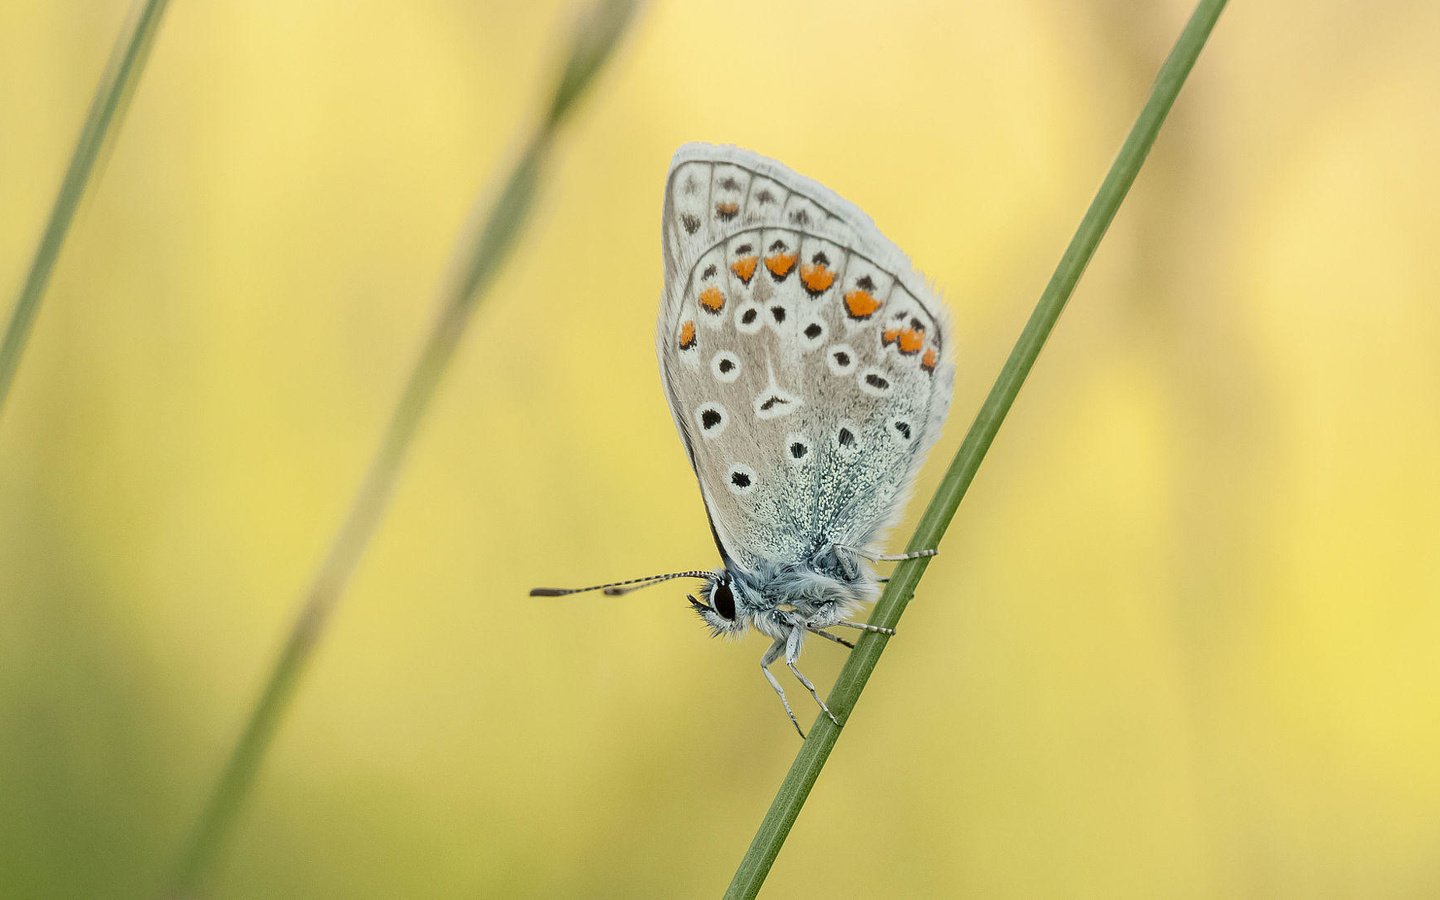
(907, 340)
(712, 300)
(817, 279)
(780, 264)
(727, 209)
(927, 362)
(861, 304)
(744, 267)
(687, 335)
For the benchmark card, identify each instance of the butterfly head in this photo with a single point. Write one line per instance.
(724, 602)
(722, 605)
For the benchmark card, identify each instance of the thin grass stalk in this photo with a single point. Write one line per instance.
(478, 259)
(107, 110)
(794, 790)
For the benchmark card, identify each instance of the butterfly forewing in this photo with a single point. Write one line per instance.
(803, 359)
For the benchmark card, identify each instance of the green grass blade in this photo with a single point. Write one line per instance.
(813, 753)
(106, 112)
(479, 258)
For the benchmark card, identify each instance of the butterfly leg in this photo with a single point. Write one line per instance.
(770, 656)
(792, 655)
(896, 557)
(887, 557)
(865, 626)
(828, 636)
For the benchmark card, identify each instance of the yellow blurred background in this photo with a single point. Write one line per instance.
(1183, 638)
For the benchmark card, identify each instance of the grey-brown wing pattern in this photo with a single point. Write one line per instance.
(803, 359)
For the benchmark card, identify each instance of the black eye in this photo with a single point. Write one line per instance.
(723, 601)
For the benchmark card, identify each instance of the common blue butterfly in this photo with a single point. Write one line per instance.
(805, 363)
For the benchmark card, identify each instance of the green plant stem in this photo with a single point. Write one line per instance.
(107, 110)
(813, 753)
(479, 259)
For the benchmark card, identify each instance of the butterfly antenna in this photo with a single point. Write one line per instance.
(616, 588)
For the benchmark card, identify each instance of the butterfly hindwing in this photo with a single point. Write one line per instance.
(803, 359)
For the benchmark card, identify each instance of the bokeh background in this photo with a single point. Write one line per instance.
(1183, 638)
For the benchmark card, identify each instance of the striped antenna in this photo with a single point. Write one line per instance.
(616, 588)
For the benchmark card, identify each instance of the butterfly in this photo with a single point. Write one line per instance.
(805, 364)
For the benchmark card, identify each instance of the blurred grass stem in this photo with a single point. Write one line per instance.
(852, 679)
(107, 110)
(479, 258)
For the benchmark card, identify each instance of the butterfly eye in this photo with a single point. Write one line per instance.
(723, 601)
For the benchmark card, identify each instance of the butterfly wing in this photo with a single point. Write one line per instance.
(803, 358)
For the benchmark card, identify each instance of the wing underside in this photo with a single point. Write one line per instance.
(803, 359)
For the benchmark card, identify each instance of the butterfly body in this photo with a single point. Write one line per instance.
(775, 597)
(806, 367)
